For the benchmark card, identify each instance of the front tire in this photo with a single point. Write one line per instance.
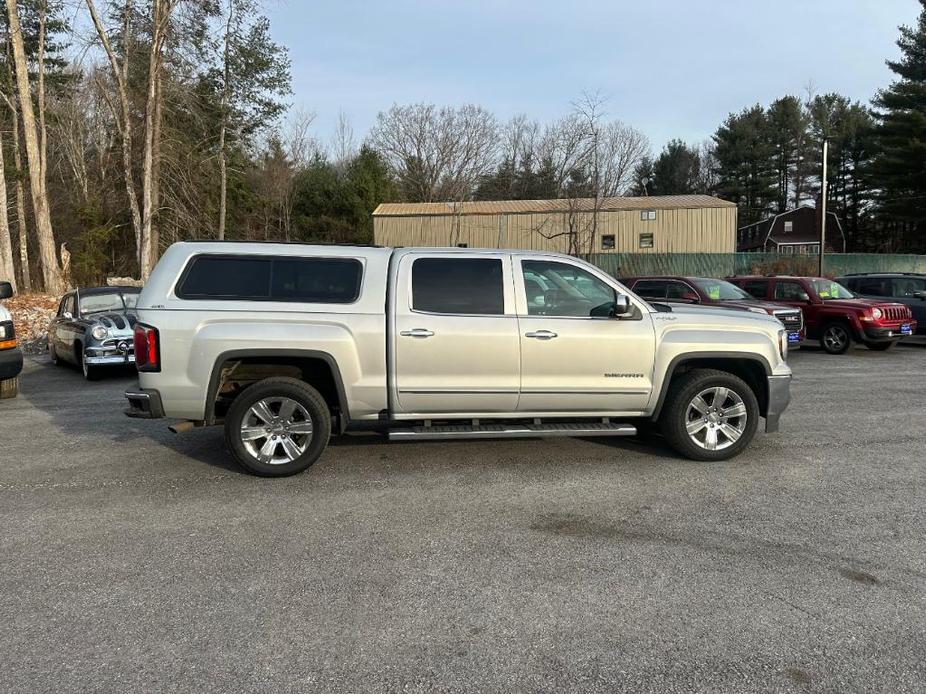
(91, 372)
(836, 338)
(278, 427)
(709, 415)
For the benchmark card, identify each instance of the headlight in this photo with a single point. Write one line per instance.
(99, 332)
(783, 343)
(876, 313)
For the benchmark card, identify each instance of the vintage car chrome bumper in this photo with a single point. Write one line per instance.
(111, 354)
(779, 396)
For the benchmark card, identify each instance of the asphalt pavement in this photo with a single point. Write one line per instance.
(132, 559)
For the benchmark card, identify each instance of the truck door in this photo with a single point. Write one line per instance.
(455, 335)
(574, 357)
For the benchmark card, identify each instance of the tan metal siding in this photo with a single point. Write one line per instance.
(688, 230)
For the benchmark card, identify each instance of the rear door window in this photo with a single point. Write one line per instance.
(651, 289)
(756, 288)
(464, 286)
(273, 278)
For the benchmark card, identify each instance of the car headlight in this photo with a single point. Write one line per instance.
(783, 343)
(876, 313)
(99, 332)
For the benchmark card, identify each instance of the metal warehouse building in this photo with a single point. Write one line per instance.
(655, 224)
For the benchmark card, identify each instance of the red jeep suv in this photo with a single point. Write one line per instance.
(833, 314)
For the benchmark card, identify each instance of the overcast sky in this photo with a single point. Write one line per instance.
(673, 68)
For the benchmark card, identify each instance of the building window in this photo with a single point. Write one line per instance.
(607, 242)
(646, 240)
(789, 227)
(647, 215)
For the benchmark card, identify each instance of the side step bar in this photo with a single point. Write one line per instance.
(509, 431)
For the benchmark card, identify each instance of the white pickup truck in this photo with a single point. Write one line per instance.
(288, 343)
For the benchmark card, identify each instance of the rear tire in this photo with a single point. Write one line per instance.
(881, 346)
(9, 388)
(278, 427)
(709, 415)
(836, 338)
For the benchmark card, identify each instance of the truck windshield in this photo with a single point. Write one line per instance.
(828, 289)
(719, 290)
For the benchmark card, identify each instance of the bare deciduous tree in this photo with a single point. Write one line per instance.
(51, 270)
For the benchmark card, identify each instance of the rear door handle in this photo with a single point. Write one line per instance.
(541, 334)
(417, 332)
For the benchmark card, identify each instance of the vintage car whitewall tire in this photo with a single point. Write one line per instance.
(278, 427)
(709, 415)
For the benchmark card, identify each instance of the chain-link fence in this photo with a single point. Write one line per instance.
(728, 264)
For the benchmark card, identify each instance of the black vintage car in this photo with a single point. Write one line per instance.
(93, 329)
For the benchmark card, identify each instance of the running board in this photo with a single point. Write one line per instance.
(509, 431)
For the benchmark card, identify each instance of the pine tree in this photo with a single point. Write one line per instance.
(899, 168)
(744, 163)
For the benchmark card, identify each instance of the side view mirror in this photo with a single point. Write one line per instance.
(622, 306)
(6, 290)
(691, 297)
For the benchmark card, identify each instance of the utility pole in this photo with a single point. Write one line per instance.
(823, 208)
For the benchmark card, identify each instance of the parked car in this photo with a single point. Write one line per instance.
(285, 343)
(715, 292)
(11, 358)
(906, 288)
(833, 314)
(93, 329)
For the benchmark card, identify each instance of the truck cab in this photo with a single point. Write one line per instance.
(425, 343)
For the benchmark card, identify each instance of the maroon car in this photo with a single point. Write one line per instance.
(713, 292)
(834, 315)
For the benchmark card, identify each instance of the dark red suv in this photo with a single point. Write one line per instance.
(833, 314)
(712, 292)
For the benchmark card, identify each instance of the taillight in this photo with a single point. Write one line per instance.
(147, 348)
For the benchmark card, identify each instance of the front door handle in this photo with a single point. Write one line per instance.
(417, 332)
(541, 334)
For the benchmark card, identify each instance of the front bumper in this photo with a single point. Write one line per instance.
(893, 332)
(11, 363)
(110, 355)
(779, 396)
(144, 404)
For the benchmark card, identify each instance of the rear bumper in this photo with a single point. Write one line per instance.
(144, 404)
(779, 397)
(11, 363)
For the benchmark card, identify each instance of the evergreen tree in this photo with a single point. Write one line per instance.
(676, 171)
(899, 167)
(744, 163)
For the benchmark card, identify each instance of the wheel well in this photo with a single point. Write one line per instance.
(750, 370)
(234, 374)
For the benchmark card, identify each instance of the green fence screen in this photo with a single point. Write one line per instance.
(728, 264)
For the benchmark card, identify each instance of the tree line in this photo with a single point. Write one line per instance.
(127, 125)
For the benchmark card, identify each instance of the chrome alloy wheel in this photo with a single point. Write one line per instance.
(276, 430)
(835, 338)
(716, 418)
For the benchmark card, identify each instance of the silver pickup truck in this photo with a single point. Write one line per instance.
(286, 344)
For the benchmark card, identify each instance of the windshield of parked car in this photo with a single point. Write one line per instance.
(828, 289)
(719, 290)
(115, 301)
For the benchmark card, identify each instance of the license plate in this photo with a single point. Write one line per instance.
(906, 329)
(794, 337)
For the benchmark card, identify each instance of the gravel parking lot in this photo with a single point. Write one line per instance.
(137, 560)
